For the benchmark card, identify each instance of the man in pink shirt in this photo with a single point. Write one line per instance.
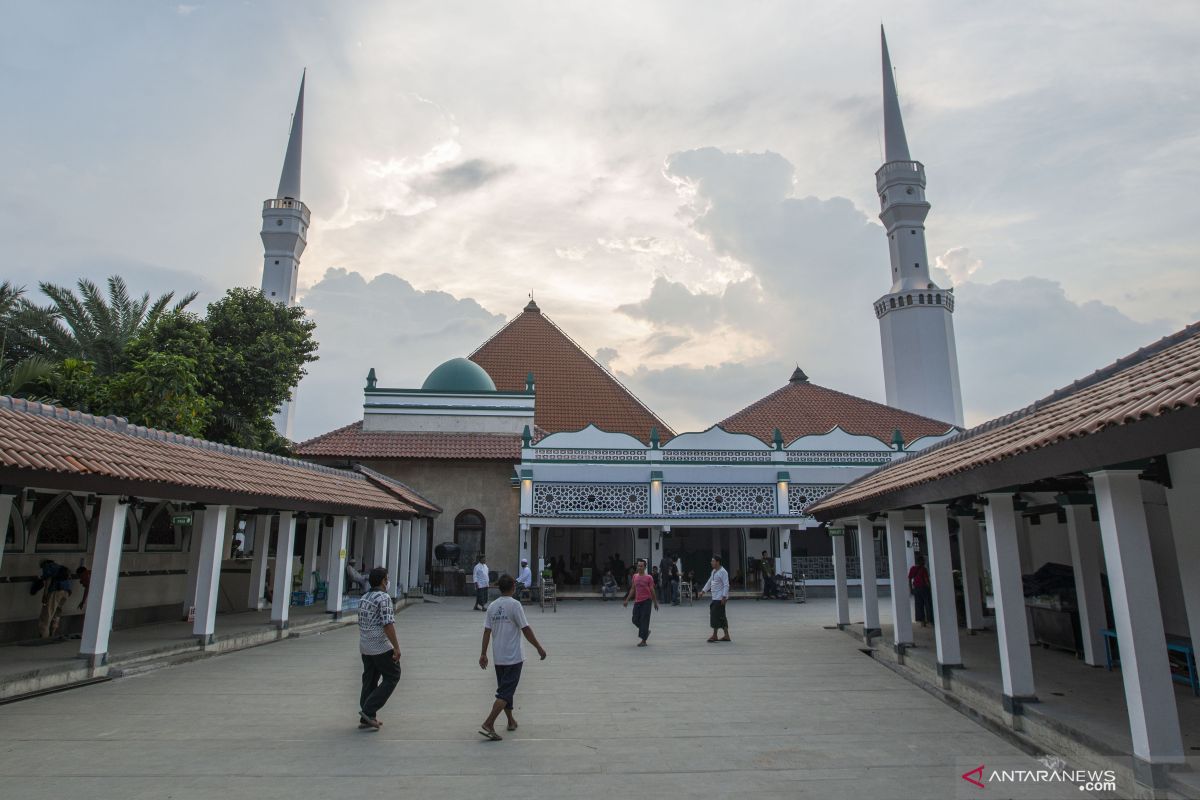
(641, 590)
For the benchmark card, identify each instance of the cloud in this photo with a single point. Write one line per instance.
(957, 265)
(463, 177)
(815, 267)
(383, 323)
(605, 355)
(185, 10)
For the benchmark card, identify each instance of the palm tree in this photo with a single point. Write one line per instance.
(17, 376)
(88, 326)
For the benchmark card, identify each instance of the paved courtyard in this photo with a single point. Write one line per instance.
(789, 709)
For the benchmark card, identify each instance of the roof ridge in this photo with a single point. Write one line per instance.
(327, 434)
(122, 426)
(800, 387)
(379, 476)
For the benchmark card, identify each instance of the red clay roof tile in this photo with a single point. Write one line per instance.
(352, 442)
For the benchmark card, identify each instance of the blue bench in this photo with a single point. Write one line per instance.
(1178, 644)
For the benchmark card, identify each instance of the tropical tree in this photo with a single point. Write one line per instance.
(89, 326)
(18, 375)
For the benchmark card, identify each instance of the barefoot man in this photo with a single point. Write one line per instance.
(718, 589)
(641, 591)
(503, 625)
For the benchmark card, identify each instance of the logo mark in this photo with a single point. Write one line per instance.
(978, 780)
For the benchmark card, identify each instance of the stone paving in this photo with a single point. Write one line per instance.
(789, 709)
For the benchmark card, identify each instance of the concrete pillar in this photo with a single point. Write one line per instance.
(285, 546)
(1012, 631)
(1149, 692)
(379, 543)
(335, 566)
(258, 567)
(395, 576)
(838, 537)
(870, 588)
(910, 552)
(1183, 503)
(902, 635)
(972, 571)
(941, 578)
(106, 567)
(312, 538)
(1087, 561)
(414, 534)
(422, 530)
(189, 591)
(655, 552)
(208, 573)
(6, 504)
(404, 573)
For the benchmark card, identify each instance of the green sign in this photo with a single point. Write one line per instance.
(181, 519)
(837, 531)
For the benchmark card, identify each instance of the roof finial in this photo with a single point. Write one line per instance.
(371, 381)
(289, 179)
(532, 306)
(898, 440)
(895, 143)
(798, 376)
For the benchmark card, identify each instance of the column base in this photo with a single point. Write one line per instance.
(1016, 705)
(336, 615)
(841, 626)
(944, 670)
(1154, 774)
(869, 632)
(900, 648)
(281, 624)
(95, 660)
(206, 639)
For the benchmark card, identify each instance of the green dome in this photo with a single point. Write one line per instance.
(459, 375)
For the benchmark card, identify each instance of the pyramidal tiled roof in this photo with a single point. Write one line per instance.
(802, 408)
(573, 389)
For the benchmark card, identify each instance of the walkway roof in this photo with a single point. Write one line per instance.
(50, 447)
(1143, 405)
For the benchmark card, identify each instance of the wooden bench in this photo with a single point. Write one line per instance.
(1176, 644)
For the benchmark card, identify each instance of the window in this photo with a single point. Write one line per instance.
(60, 525)
(938, 299)
(162, 533)
(908, 302)
(893, 301)
(470, 534)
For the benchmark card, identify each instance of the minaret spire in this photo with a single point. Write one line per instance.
(916, 324)
(284, 235)
(895, 143)
(289, 179)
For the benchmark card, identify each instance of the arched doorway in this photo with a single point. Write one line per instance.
(470, 534)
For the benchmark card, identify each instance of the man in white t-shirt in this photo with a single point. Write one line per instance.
(503, 625)
(481, 577)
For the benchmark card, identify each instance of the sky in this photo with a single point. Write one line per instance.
(687, 188)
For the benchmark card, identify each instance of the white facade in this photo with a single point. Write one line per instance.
(916, 326)
(284, 237)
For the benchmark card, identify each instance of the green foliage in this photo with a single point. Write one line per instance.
(161, 391)
(88, 326)
(259, 348)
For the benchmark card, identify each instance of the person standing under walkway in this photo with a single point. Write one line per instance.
(642, 591)
(918, 582)
(379, 648)
(525, 576)
(56, 588)
(718, 587)
(482, 578)
(504, 624)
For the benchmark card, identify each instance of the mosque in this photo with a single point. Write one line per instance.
(534, 450)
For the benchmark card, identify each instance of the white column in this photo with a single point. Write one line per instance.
(379, 542)
(422, 532)
(258, 567)
(335, 566)
(838, 537)
(870, 588)
(945, 617)
(1087, 562)
(1012, 631)
(395, 576)
(404, 575)
(106, 567)
(902, 635)
(189, 591)
(972, 572)
(655, 550)
(312, 536)
(208, 572)
(1133, 586)
(910, 553)
(414, 531)
(1183, 503)
(285, 546)
(6, 504)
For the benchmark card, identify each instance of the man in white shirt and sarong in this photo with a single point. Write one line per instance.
(718, 588)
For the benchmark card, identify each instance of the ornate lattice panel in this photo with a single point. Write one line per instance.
(582, 454)
(839, 457)
(561, 499)
(752, 499)
(720, 456)
(803, 495)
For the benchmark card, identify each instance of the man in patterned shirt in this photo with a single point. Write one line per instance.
(379, 649)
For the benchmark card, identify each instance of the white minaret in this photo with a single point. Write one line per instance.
(916, 318)
(284, 232)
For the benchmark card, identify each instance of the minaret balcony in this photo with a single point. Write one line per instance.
(900, 172)
(915, 298)
(287, 202)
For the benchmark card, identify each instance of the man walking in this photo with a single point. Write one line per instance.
(379, 649)
(482, 578)
(504, 623)
(642, 591)
(718, 587)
